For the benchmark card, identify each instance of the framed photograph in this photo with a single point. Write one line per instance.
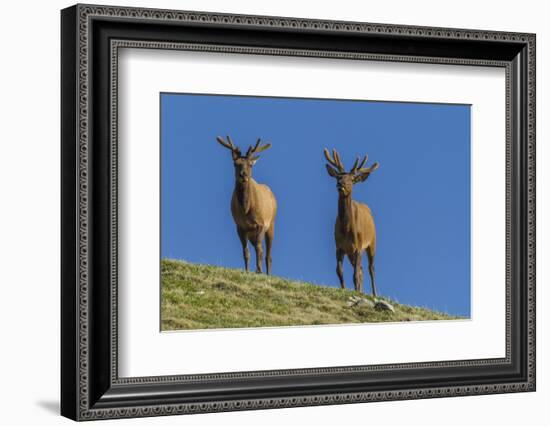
(263, 212)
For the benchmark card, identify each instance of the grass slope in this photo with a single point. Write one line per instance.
(202, 296)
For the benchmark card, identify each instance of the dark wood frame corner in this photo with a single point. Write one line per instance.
(90, 38)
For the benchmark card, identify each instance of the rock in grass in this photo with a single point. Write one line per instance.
(382, 305)
(365, 303)
(360, 302)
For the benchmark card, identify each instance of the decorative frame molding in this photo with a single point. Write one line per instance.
(91, 388)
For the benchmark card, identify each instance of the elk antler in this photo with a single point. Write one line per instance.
(369, 169)
(229, 145)
(335, 160)
(362, 174)
(256, 149)
(357, 166)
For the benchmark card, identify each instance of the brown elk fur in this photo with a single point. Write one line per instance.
(253, 205)
(354, 231)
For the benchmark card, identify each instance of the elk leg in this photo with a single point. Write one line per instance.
(268, 241)
(370, 256)
(259, 252)
(340, 267)
(244, 242)
(357, 272)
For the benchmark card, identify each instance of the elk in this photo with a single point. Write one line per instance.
(354, 231)
(253, 205)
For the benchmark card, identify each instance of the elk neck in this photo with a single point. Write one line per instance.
(345, 212)
(243, 191)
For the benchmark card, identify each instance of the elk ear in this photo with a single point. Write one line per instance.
(254, 159)
(331, 171)
(363, 174)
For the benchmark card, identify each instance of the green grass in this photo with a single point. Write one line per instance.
(202, 296)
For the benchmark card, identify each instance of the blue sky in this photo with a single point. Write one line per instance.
(420, 195)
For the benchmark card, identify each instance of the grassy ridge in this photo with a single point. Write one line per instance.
(202, 296)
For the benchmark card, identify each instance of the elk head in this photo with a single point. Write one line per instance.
(346, 180)
(243, 163)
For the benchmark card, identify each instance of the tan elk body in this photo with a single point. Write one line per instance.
(354, 230)
(253, 205)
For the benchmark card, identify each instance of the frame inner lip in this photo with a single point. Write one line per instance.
(115, 44)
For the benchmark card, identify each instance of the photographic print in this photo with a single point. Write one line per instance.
(298, 212)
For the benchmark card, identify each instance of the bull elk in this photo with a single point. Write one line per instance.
(253, 205)
(354, 231)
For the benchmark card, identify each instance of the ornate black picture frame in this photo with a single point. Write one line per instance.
(91, 36)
